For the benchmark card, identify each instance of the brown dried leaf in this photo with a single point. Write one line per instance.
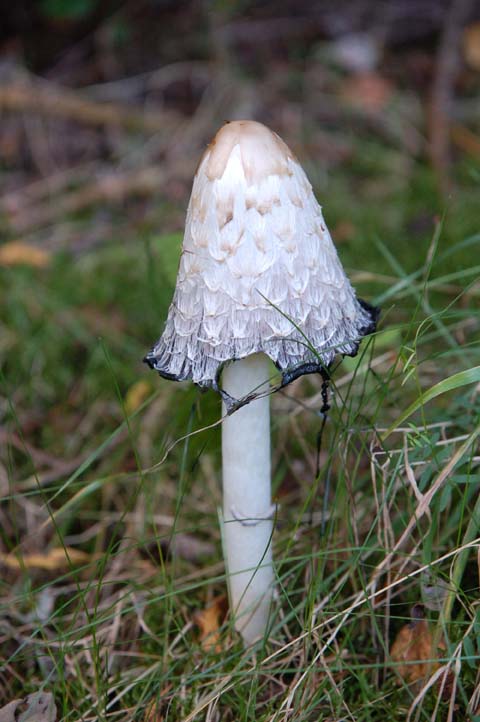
(471, 45)
(57, 558)
(18, 253)
(209, 621)
(413, 649)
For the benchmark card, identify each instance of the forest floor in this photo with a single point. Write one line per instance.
(112, 585)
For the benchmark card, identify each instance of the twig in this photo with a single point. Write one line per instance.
(55, 101)
(443, 90)
(38, 456)
(110, 188)
(14, 202)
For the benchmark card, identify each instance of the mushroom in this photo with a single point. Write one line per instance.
(259, 281)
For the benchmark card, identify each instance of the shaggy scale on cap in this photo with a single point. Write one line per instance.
(258, 271)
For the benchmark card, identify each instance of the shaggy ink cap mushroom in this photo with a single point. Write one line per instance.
(259, 279)
(259, 272)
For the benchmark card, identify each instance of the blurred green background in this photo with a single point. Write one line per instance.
(107, 106)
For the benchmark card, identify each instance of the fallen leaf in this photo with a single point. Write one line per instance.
(209, 621)
(413, 650)
(18, 253)
(136, 395)
(37, 707)
(471, 45)
(57, 558)
(40, 707)
(7, 713)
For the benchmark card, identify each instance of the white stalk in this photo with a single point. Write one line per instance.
(247, 502)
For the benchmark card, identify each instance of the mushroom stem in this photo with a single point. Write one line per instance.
(247, 502)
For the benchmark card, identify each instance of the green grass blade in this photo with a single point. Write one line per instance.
(463, 378)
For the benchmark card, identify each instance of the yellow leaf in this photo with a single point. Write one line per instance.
(136, 395)
(17, 253)
(413, 649)
(209, 621)
(57, 558)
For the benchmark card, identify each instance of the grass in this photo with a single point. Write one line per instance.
(99, 457)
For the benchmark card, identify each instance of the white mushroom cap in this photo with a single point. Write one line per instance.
(258, 271)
